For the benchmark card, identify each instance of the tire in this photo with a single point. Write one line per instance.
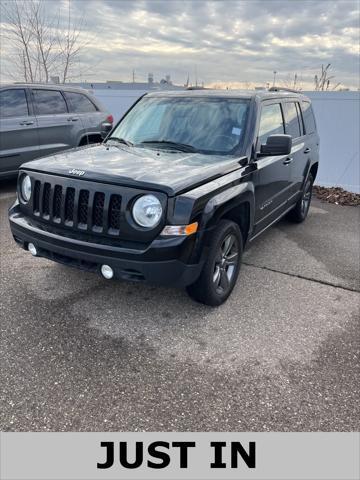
(301, 209)
(221, 268)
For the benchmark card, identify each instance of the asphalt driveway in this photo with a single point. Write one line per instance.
(81, 353)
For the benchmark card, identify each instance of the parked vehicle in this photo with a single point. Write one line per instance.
(38, 120)
(176, 191)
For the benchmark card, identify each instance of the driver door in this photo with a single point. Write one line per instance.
(272, 177)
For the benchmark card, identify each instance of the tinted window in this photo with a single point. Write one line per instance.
(308, 117)
(292, 126)
(49, 102)
(79, 103)
(13, 103)
(271, 121)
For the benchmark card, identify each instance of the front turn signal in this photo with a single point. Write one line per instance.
(180, 229)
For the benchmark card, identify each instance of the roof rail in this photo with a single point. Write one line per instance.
(196, 88)
(279, 89)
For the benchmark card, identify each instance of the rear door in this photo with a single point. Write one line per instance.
(312, 137)
(57, 128)
(300, 149)
(272, 177)
(18, 130)
(84, 109)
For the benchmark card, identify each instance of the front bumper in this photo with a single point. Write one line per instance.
(162, 262)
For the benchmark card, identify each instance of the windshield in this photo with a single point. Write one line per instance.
(207, 125)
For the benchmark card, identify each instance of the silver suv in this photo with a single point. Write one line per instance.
(38, 120)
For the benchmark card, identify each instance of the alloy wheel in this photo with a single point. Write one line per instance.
(226, 263)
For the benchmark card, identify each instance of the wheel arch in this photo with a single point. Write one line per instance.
(236, 204)
(314, 169)
(240, 214)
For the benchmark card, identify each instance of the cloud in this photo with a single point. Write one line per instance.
(223, 41)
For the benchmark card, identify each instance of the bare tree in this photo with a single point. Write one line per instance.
(44, 29)
(323, 81)
(69, 45)
(292, 82)
(41, 46)
(20, 37)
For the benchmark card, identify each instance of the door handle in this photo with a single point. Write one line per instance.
(27, 122)
(73, 119)
(307, 150)
(288, 161)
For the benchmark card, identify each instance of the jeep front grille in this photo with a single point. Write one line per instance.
(69, 204)
(81, 209)
(98, 209)
(57, 201)
(114, 212)
(36, 200)
(46, 199)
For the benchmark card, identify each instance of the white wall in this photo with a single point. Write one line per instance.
(117, 101)
(338, 121)
(337, 116)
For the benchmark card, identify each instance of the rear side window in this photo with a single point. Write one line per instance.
(49, 102)
(13, 103)
(308, 116)
(79, 103)
(292, 124)
(271, 122)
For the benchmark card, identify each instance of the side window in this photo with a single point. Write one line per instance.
(13, 103)
(49, 102)
(79, 103)
(292, 125)
(308, 116)
(271, 122)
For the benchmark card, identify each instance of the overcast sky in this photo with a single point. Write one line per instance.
(225, 42)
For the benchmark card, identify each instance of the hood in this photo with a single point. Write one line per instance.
(168, 171)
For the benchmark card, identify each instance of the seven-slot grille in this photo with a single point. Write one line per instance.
(77, 208)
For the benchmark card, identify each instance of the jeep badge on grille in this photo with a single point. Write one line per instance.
(74, 171)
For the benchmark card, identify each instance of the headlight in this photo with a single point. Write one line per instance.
(147, 211)
(25, 188)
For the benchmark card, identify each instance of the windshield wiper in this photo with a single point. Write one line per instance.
(120, 140)
(183, 147)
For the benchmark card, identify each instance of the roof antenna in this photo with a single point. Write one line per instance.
(274, 72)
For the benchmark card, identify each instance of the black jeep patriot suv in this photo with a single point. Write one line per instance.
(178, 188)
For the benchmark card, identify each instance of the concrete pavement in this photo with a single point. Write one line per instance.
(81, 353)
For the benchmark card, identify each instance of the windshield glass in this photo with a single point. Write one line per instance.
(207, 125)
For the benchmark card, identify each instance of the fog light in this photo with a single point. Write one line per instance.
(32, 249)
(107, 272)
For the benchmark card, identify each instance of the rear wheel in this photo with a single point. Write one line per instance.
(301, 209)
(221, 268)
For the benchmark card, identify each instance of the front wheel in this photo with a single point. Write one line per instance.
(222, 266)
(301, 209)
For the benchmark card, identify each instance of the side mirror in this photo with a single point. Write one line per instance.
(105, 129)
(277, 145)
